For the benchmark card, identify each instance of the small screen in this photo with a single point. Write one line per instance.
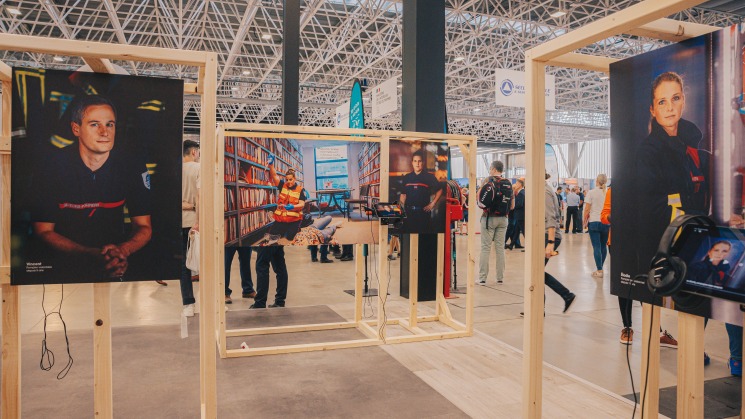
(715, 261)
(389, 210)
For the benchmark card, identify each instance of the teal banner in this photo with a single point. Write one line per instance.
(356, 110)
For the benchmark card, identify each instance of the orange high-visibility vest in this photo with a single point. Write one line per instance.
(288, 196)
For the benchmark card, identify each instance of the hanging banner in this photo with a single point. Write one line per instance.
(511, 89)
(356, 110)
(385, 98)
(552, 166)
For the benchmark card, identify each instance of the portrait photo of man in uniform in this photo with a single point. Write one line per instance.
(96, 195)
(419, 190)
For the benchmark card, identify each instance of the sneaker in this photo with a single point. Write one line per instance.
(254, 306)
(314, 259)
(251, 294)
(275, 305)
(228, 300)
(273, 239)
(627, 335)
(568, 302)
(597, 274)
(163, 283)
(480, 282)
(667, 340)
(346, 258)
(189, 310)
(499, 281)
(391, 257)
(707, 360)
(735, 367)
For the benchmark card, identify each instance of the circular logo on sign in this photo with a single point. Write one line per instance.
(506, 87)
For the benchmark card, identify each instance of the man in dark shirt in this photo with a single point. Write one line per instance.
(419, 186)
(83, 193)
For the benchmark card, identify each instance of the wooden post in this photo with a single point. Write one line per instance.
(472, 216)
(103, 401)
(222, 340)
(413, 279)
(690, 366)
(212, 238)
(650, 372)
(535, 127)
(10, 382)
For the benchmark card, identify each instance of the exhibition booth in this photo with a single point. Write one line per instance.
(248, 165)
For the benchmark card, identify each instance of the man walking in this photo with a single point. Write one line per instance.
(493, 231)
(573, 211)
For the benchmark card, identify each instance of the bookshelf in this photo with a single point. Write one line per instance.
(250, 197)
(369, 170)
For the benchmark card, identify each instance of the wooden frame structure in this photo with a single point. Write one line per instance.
(374, 330)
(98, 56)
(644, 19)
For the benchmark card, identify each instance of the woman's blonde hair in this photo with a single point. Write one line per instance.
(601, 180)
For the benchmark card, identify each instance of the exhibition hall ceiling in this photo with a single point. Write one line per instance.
(343, 40)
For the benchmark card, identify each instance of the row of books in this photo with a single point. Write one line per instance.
(251, 152)
(255, 176)
(374, 191)
(231, 232)
(370, 152)
(230, 144)
(373, 177)
(229, 170)
(258, 149)
(256, 197)
(254, 220)
(229, 199)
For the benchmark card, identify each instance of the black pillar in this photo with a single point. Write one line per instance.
(291, 62)
(423, 109)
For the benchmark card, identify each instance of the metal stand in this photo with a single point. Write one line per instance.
(367, 291)
(455, 289)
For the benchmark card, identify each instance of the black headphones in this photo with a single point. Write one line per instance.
(666, 273)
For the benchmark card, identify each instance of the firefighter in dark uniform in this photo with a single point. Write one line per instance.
(83, 192)
(419, 187)
(672, 170)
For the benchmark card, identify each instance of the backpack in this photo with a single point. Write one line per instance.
(495, 196)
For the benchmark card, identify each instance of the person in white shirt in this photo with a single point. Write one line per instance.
(591, 220)
(189, 217)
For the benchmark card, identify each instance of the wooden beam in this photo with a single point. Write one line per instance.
(650, 368)
(690, 366)
(619, 22)
(103, 400)
(583, 62)
(10, 404)
(535, 140)
(55, 46)
(6, 72)
(100, 65)
(672, 30)
(192, 89)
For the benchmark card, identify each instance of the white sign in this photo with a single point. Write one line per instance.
(342, 115)
(334, 152)
(385, 98)
(511, 89)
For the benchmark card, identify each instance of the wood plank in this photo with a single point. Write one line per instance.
(619, 22)
(306, 347)
(535, 120)
(103, 400)
(100, 65)
(212, 237)
(192, 89)
(650, 367)
(4, 144)
(56, 46)
(583, 62)
(672, 30)
(413, 277)
(313, 137)
(5, 185)
(690, 366)
(473, 216)
(220, 250)
(10, 381)
(289, 329)
(6, 72)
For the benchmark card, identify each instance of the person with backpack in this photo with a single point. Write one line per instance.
(495, 198)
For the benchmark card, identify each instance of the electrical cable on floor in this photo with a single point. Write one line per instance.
(649, 343)
(628, 362)
(46, 353)
(383, 298)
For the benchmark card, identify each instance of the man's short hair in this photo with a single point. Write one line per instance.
(85, 102)
(521, 182)
(190, 145)
(497, 165)
(419, 153)
(559, 188)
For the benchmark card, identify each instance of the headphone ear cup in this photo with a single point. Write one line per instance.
(671, 272)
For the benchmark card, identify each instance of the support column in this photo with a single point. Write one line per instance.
(423, 110)
(291, 62)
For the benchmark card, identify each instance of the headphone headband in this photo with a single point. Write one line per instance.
(671, 232)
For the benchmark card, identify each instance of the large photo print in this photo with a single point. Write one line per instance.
(96, 177)
(677, 125)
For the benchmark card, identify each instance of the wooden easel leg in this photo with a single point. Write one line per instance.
(650, 371)
(690, 366)
(10, 406)
(103, 401)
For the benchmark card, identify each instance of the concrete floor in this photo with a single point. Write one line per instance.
(583, 342)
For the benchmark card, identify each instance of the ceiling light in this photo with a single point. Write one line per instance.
(223, 111)
(13, 11)
(399, 85)
(477, 109)
(558, 13)
(266, 36)
(604, 77)
(246, 72)
(58, 58)
(234, 88)
(459, 58)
